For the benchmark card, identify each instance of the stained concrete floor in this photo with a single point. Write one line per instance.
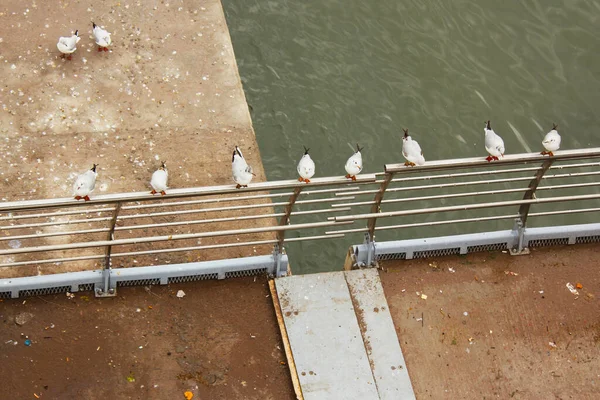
(498, 326)
(168, 90)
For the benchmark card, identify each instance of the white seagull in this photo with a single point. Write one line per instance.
(85, 183)
(241, 171)
(306, 167)
(551, 141)
(159, 180)
(493, 143)
(102, 37)
(411, 151)
(68, 45)
(354, 164)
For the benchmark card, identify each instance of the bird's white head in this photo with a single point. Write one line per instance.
(406, 136)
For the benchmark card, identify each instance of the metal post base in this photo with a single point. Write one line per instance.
(516, 252)
(99, 292)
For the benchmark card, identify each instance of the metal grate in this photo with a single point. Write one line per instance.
(487, 247)
(139, 282)
(191, 278)
(44, 291)
(548, 242)
(391, 256)
(86, 287)
(436, 253)
(248, 272)
(5, 295)
(587, 239)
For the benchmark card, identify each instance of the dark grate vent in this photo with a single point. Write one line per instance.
(191, 278)
(139, 282)
(44, 291)
(5, 295)
(248, 272)
(436, 253)
(487, 247)
(391, 256)
(86, 287)
(587, 239)
(548, 242)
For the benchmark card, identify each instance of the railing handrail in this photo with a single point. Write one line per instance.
(341, 190)
(178, 193)
(508, 159)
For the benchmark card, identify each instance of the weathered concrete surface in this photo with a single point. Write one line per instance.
(379, 336)
(168, 90)
(524, 334)
(325, 338)
(220, 341)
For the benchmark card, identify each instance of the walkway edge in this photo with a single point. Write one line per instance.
(285, 340)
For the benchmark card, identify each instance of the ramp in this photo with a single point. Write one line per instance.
(341, 336)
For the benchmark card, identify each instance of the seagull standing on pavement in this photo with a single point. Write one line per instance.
(68, 45)
(102, 37)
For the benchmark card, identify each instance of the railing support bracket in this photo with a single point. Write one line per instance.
(519, 230)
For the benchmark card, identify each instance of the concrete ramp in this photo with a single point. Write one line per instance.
(341, 337)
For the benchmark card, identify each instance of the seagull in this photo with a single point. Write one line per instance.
(411, 151)
(551, 141)
(242, 172)
(306, 167)
(85, 183)
(493, 143)
(102, 37)
(354, 164)
(159, 180)
(68, 45)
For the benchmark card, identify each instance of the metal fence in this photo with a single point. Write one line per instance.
(169, 237)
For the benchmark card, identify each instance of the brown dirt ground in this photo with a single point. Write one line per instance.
(168, 89)
(221, 341)
(501, 349)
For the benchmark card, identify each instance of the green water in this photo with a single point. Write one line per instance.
(325, 73)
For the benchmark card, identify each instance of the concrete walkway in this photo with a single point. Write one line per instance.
(342, 337)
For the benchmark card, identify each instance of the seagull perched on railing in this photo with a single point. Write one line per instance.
(241, 171)
(68, 45)
(411, 151)
(85, 183)
(354, 164)
(493, 143)
(102, 37)
(159, 180)
(306, 167)
(551, 141)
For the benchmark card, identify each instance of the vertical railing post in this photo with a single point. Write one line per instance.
(283, 221)
(521, 221)
(106, 290)
(376, 208)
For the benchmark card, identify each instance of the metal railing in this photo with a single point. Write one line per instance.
(187, 224)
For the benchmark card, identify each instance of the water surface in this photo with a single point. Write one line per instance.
(324, 73)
